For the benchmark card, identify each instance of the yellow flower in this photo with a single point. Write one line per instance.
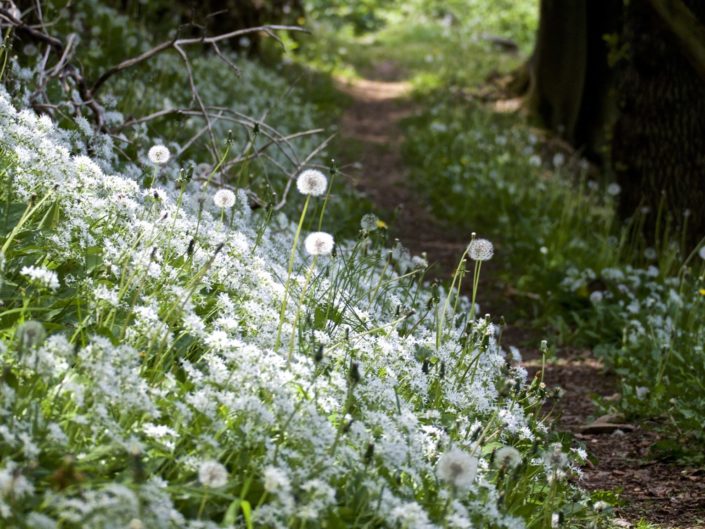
(701, 291)
(381, 224)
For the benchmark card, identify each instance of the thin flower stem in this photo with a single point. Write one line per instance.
(292, 259)
(325, 201)
(304, 290)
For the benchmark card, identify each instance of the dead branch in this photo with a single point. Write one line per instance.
(177, 43)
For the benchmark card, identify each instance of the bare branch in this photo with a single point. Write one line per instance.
(124, 65)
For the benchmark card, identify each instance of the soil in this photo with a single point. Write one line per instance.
(659, 492)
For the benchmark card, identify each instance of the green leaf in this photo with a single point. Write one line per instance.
(247, 513)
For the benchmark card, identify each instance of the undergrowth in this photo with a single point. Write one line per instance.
(174, 357)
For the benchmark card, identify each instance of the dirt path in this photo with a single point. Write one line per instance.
(372, 122)
(657, 492)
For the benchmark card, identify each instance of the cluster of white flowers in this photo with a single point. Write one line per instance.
(194, 374)
(41, 276)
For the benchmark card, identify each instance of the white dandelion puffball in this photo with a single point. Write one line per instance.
(613, 189)
(368, 222)
(212, 474)
(480, 250)
(224, 198)
(507, 457)
(319, 243)
(312, 182)
(158, 154)
(701, 252)
(457, 468)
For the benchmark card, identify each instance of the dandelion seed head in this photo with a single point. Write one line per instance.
(558, 160)
(158, 154)
(212, 474)
(368, 222)
(701, 252)
(312, 182)
(480, 250)
(224, 198)
(613, 189)
(596, 296)
(276, 480)
(601, 506)
(507, 457)
(457, 468)
(319, 243)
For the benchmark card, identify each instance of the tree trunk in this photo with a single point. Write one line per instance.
(658, 148)
(570, 75)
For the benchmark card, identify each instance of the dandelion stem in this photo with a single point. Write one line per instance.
(292, 259)
(304, 290)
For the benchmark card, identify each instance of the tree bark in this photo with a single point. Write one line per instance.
(659, 138)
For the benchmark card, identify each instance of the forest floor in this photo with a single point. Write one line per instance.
(648, 490)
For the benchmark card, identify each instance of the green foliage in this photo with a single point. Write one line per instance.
(566, 262)
(436, 45)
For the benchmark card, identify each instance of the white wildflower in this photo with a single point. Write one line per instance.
(457, 468)
(158, 154)
(641, 392)
(480, 250)
(41, 276)
(212, 474)
(224, 198)
(312, 182)
(319, 243)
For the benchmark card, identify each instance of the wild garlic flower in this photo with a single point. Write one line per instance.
(319, 243)
(457, 468)
(41, 276)
(311, 182)
(158, 154)
(224, 198)
(507, 457)
(480, 250)
(212, 474)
